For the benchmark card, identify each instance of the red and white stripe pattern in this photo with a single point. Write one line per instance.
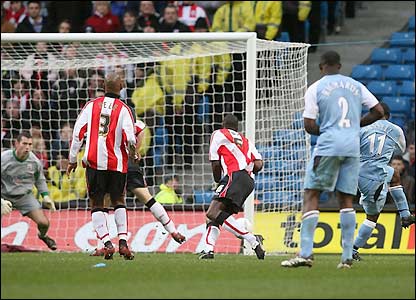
(234, 151)
(139, 126)
(107, 124)
(189, 14)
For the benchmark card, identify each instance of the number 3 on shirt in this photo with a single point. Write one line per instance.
(104, 122)
(344, 122)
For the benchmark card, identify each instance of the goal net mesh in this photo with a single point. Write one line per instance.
(181, 90)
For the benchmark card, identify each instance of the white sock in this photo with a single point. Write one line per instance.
(100, 244)
(231, 225)
(211, 235)
(100, 225)
(120, 217)
(162, 216)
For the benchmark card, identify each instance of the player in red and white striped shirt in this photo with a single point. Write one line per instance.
(107, 125)
(136, 183)
(234, 160)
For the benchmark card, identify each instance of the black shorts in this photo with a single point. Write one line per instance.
(135, 179)
(100, 182)
(233, 190)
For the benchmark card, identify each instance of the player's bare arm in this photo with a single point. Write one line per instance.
(311, 127)
(216, 170)
(373, 115)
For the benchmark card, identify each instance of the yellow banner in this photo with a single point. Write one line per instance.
(281, 233)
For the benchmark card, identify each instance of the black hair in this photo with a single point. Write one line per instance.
(386, 109)
(25, 134)
(230, 122)
(330, 58)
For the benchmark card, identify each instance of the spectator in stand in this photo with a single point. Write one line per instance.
(409, 156)
(15, 12)
(69, 94)
(407, 181)
(189, 13)
(295, 14)
(148, 17)
(34, 21)
(32, 70)
(61, 187)
(20, 93)
(38, 113)
(234, 16)
(63, 141)
(102, 20)
(12, 123)
(39, 146)
(210, 7)
(170, 192)
(76, 12)
(65, 26)
(129, 23)
(6, 26)
(170, 22)
(95, 82)
(268, 16)
(315, 25)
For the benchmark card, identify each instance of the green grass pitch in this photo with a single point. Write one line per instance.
(72, 275)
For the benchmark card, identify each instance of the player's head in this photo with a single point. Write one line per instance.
(230, 122)
(113, 83)
(330, 63)
(23, 145)
(386, 109)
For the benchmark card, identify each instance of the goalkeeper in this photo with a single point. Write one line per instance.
(20, 170)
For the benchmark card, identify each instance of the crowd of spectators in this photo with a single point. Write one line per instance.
(48, 101)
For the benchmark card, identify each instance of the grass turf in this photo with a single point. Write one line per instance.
(72, 275)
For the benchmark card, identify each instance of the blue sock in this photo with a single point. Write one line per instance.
(347, 217)
(400, 200)
(364, 233)
(307, 231)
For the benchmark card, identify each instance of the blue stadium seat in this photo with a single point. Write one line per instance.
(409, 56)
(411, 25)
(382, 88)
(367, 72)
(402, 39)
(407, 88)
(268, 152)
(202, 197)
(386, 56)
(399, 119)
(399, 72)
(280, 197)
(398, 104)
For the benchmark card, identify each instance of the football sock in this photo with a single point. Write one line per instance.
(400, 200)
(99, 223)
(120, 217)
(211, 236)
(307, 231)
(161, 215)
(100, 244)
(364, 233)
(231, 225)
(347, 219)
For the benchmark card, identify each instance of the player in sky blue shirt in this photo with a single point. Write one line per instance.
(335, 102)
(378, 142)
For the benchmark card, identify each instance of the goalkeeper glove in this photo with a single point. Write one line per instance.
(6, 207)
(49, 203)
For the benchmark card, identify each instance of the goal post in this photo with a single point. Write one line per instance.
(181, 85)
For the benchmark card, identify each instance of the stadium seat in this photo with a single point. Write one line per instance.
(402, 39)
(411, 25)
(407, 88)
(409, 56)
(367, 72)
(398, 72)
(398, 104)
(386, 56)
(399, 119)
(202, 197)
(268, 152)
(382, 88)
